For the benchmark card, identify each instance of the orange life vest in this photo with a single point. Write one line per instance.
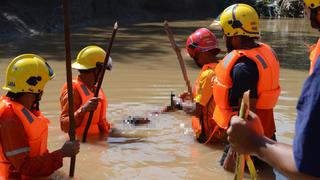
(314, 56)
(36, 129)
(210, 130)
(99, 113)
(268, 88)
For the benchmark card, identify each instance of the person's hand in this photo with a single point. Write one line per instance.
(245, 136)
(185, 96)
(91, 104)
(189, 107)
(70, 148)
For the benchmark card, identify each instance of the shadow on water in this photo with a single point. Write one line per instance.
(140, 40)
(128, 41)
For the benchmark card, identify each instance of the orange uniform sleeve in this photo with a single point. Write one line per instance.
(64, 104)
(16, 148)
(103, 124)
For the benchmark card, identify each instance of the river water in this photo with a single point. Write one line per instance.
(145, 72)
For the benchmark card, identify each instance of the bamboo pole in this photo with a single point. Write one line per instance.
(168, 30)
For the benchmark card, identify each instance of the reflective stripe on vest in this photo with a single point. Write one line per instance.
(314, 56)
(99, 113)
(27, 115)
(268, 84)
(85, 90)
(262, 61)
(17, 151)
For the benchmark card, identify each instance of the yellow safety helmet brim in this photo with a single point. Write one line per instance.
(240, 20)
(312, 4)
(88, 57)
(79, 66)
(27, 73)
(216, 25)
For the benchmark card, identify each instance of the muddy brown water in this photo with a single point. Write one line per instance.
(145, 72)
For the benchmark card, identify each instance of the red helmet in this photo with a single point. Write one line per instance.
(202, 40)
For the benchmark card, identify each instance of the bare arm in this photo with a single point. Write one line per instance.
(280, 156)
(246, 137)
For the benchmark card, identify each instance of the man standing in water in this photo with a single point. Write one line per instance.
(23, 128)
(89, 63)
(202, 46)
(300, 161)
(248, 66)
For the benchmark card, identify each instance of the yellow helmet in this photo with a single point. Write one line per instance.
(240, 19)
(27, 73)
(312, 3)
(88, 58)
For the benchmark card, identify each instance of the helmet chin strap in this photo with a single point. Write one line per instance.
(35, 105)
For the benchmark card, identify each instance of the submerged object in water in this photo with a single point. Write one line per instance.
(136, 120)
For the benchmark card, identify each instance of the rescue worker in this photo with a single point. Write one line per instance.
(299, 161)
(202, 47)
(89, 62)
(250, 65)
(23, 128)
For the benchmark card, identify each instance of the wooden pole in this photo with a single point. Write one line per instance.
(69, 80)
(100, 80)
(168, 30)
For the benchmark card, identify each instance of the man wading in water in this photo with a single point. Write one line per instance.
(250, 65)
(202, 47)
(88, 62)
(300, 161)
(23, 128)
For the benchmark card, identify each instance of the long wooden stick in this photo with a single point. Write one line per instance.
(168, 30)
(100, 79)
(69, 80)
